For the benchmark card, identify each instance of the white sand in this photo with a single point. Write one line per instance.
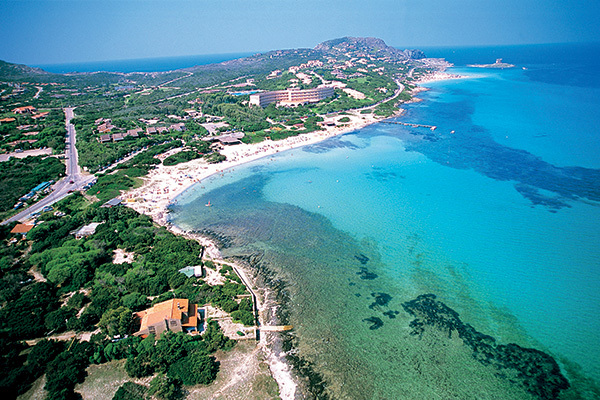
(164, 183)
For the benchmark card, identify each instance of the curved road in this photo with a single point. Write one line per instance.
(64, 186)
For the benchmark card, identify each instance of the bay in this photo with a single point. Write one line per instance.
(495, 212)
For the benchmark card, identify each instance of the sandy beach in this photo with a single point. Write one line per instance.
(438, 76)
(163, 184)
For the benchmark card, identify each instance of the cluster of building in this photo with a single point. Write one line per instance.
(292, 96)
(105, 126)
(117, 137)
(309, 64)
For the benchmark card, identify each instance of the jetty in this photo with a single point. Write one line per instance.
(280, 328)
(432, 127)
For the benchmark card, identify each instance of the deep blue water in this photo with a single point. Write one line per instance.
(571, 64)
(142, 64)
(497, 212)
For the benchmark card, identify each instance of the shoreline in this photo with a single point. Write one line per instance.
(163, 184)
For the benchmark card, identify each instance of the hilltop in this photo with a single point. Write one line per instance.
(11, 71)
(358, 46)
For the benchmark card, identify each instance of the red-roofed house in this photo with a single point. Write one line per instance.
(41, 115)
(176, 315)
(23, 229)
(24, 110)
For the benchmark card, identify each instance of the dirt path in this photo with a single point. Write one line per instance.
(243, 374)
(37, 275)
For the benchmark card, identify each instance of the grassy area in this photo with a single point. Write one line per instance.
(110, 186)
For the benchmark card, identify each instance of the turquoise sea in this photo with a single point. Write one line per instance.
(496, 213)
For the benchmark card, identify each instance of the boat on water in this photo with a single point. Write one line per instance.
(208, 204)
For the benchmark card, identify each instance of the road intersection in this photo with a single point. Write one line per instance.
(73, 181)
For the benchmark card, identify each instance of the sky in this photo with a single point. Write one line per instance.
(64, 31)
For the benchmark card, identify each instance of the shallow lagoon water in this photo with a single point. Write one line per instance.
(489, 219)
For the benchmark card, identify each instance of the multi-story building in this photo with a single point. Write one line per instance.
(292, 96)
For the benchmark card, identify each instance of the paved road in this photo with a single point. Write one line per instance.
(396, 94)
(64, 186)
(40, 89)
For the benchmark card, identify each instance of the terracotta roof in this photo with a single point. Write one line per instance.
(21, 228)
(24, 109)
(170, 309)
(40, 115)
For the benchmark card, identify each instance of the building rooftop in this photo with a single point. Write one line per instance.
(21, 228)
(87, 230)
(174, 309)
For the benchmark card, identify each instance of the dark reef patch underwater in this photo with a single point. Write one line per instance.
(470, 146)
(535, 370)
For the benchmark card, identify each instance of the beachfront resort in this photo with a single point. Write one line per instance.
(292, 96)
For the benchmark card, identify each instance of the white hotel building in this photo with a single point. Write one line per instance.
(292, 96)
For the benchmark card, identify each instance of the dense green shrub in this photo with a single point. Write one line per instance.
(196, 368)
(131, 391)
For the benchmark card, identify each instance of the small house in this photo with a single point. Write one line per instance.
(22, 229)
(180, 127)
(197, 271)
(112, 203)
(134, 132)
(24, 110)
(87, 230)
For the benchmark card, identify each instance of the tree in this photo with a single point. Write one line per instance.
(165, 388)
(140, 365)
(243, 316)
(215, 339)
(196, 368)
(135, 301)
(117, 321)
(57, 320)
(64, 372)
(131, 391)
(42, 353)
